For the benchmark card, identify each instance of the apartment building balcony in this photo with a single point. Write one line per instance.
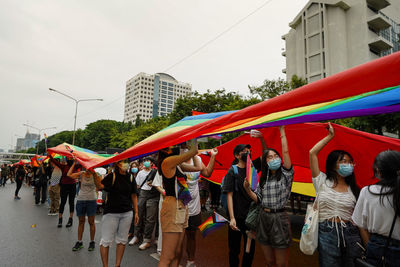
(378, 4)
(284, 70)
(378, 22)
(378, 44)
(284, 53)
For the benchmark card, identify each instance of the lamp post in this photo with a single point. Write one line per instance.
(40, 131)
(76, 107)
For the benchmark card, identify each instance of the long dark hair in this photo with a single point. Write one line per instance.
(162, 154)
(265, 171)
(387, 163)
(332, 174)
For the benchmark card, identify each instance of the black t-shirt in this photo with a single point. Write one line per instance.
(20, 174)
(234, 183)
(119, 194)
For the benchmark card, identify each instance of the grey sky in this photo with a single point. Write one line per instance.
(89, 49)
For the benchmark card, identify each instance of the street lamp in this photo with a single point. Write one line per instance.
(76, 107)
(40, 131)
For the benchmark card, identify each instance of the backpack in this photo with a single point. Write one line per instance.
(224, 200)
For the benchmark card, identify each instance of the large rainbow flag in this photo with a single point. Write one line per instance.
(368, 89)
(85, 157)
(301, 138)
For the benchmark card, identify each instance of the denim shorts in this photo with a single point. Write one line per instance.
(375, 249)
(86, 208)
(115, 226)
(337, 244)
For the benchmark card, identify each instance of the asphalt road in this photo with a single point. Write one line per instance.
(28, 237)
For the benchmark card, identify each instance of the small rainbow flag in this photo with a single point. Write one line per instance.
(213, 223)
(45, 138)
(69, 149)
(251, 174)
(219, 218)
(183, 190)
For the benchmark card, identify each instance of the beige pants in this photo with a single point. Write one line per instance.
(54, 195)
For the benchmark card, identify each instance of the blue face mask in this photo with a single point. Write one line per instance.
(146, 164)
(345, 169)
(134, 170)
(274, 164)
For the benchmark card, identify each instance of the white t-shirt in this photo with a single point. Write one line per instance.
(333, 204)
(194, 206)
(370, 214)
(157, 180)
(141, 176)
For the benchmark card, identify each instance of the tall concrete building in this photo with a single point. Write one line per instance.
(329, 36)
(29, 141)
(149, 96)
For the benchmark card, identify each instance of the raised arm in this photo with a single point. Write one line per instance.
(287, 163)
(58, 164)
(314, 167)
(169, 164)
(97, 181)
(206, 172)
(259, 135)
(75, 175)
(195, 167)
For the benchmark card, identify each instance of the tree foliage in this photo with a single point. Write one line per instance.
(219, 100)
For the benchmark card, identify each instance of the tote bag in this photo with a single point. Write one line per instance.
(309, 233)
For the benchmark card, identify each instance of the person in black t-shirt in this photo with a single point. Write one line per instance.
(239, 202)
(19, 178)
(121, 199)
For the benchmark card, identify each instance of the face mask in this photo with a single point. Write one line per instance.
(175, 150)
(134, 170)
(146, 164)
(124, 166)
(274, 164)
(243, 157)
(345, 170)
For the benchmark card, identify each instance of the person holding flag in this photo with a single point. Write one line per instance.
(273, 191)
(238, 202)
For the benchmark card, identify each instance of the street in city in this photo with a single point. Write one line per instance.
(29, 237)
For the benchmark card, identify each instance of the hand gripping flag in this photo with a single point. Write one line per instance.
(251, 174)
(213, 223)
(182, 190)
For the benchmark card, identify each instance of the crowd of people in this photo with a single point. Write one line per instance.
(143, 206)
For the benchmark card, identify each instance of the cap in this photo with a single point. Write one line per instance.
(239, 148)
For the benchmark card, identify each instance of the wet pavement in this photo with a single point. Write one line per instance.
(29, 237)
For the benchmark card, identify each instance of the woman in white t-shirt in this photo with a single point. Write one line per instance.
(376, 208)
(337, 196)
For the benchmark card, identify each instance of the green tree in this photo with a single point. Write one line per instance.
(270, 89)
(209, 102)
(296, 82)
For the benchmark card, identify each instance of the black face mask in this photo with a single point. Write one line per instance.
(175, 150)
(243, 157)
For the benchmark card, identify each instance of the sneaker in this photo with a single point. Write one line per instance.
(190, 264)
(91, 246)
(59, 225)
(49, 214)
(78, 246)
(69, 223)
(133, 241)
(144, 246)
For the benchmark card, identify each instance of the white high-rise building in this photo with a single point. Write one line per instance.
(330, 36)
(149, 96)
